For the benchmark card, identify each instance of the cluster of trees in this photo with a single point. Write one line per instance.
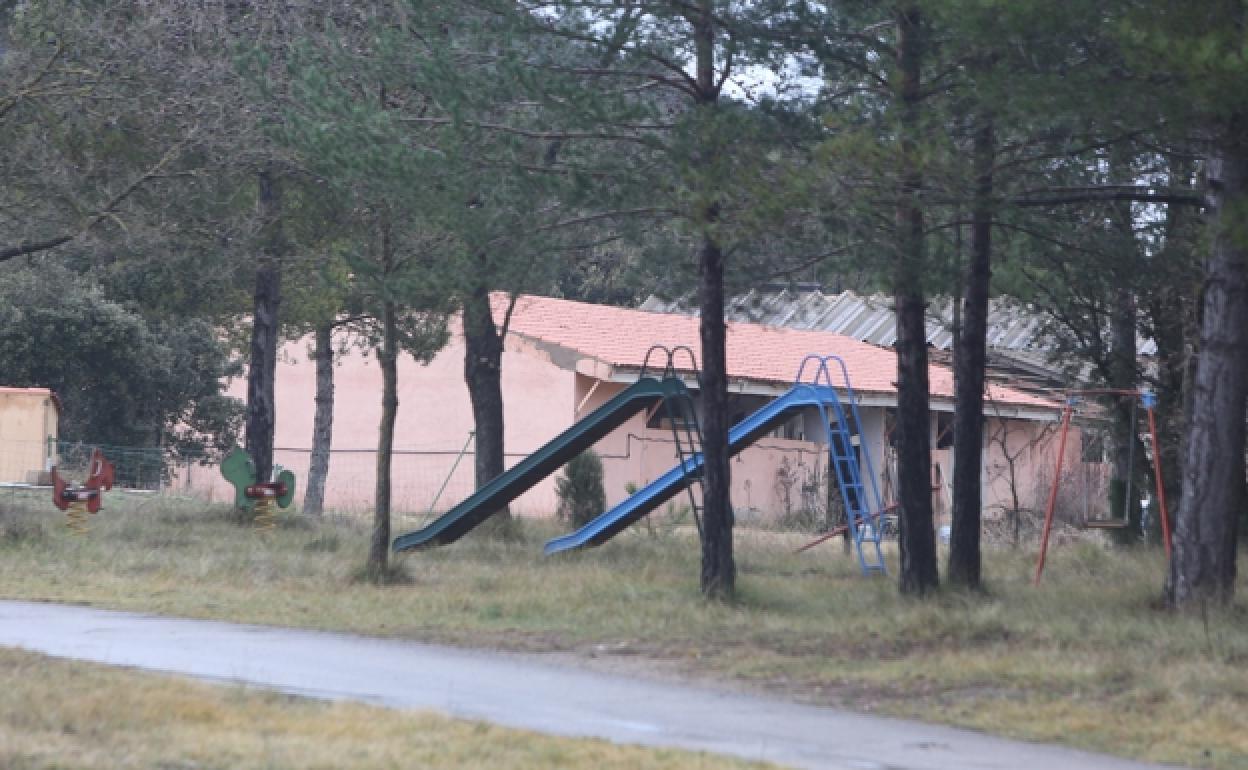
(380, 166)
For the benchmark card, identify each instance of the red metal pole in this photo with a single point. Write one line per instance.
(1103, 392)
(1161, 489)
(1057, 477)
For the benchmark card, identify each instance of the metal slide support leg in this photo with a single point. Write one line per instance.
(1057, 475)
(1161, 487)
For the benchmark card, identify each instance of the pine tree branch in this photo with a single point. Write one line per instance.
(810, 260)
(102, 214)
(614, 214)
(511, 309)
(561, 136)
(33, 247)
(681, 80)
(26, 88)
(1062, 196)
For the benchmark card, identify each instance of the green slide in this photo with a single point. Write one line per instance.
(487, 500)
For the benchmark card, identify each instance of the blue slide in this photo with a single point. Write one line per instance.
(664, 488)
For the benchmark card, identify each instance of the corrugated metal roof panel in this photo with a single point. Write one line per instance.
(1012, 325)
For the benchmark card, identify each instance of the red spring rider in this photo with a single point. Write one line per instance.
(83, 500)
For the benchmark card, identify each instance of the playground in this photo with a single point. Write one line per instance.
(882, 357)
(1085, 659)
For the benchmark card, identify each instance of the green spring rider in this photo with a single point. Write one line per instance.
(261, 497)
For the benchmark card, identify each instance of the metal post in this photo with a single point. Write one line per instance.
(1150, 401)
(1057, 475)
(447, 480)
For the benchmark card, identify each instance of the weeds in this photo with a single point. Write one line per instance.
(390, 574)
(20, 526)
(1085, 659)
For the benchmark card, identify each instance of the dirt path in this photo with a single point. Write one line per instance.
(526, 691)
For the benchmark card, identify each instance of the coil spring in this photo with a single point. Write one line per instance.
(266, 514)
(76, 517)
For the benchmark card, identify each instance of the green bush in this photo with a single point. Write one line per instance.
(580, 490)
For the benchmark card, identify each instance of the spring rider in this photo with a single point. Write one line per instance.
(78, 502)
(260, 497)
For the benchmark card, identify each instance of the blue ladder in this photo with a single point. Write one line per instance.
(863, 513)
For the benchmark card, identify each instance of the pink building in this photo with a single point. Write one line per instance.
(562, 359)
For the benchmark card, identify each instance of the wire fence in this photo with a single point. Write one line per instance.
(781, 483)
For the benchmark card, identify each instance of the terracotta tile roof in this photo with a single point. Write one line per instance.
(620, 337)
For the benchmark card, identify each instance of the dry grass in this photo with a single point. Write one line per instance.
(1087, 660)
(62, 714)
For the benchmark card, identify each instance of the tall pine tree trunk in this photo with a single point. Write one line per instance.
(322, 420)
(379, 545)
(1124, 473)
(262, 364)
(1202, 565)
(965, 563)
(914, 459)
(483, 371)
(1125, 481)
(719, 571)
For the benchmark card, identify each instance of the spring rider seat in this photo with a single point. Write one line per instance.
(252, 495)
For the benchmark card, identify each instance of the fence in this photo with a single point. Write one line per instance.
(30, 462)
(773, 482)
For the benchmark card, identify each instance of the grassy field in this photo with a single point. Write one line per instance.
(1087, 660)
(62, 714)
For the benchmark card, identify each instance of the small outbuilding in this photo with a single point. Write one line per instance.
(29, 419)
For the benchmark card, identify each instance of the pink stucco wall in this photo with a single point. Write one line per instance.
(1033, 447)
(434, 421)
(541, 399)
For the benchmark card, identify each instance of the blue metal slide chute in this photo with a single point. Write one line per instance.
(669, 484)
(646, 393)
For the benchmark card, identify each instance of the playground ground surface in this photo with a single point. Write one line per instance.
(1088, 659)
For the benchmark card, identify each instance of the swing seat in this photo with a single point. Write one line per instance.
(1106, 524)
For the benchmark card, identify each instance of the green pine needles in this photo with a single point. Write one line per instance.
(580, 490)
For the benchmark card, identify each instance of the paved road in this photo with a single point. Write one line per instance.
(521, 691)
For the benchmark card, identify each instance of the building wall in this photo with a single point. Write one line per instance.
(1083, 484)
(541, 399)
(28, 428)
(1019, 458)
(433, 425)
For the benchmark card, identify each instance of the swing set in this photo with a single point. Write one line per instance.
(1074, 398)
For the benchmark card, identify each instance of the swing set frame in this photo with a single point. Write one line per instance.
(1144, 398)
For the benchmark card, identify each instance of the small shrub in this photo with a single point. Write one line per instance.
(804, 520)
(580, 490)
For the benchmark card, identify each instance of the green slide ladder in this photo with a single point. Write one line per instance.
(682, 414)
